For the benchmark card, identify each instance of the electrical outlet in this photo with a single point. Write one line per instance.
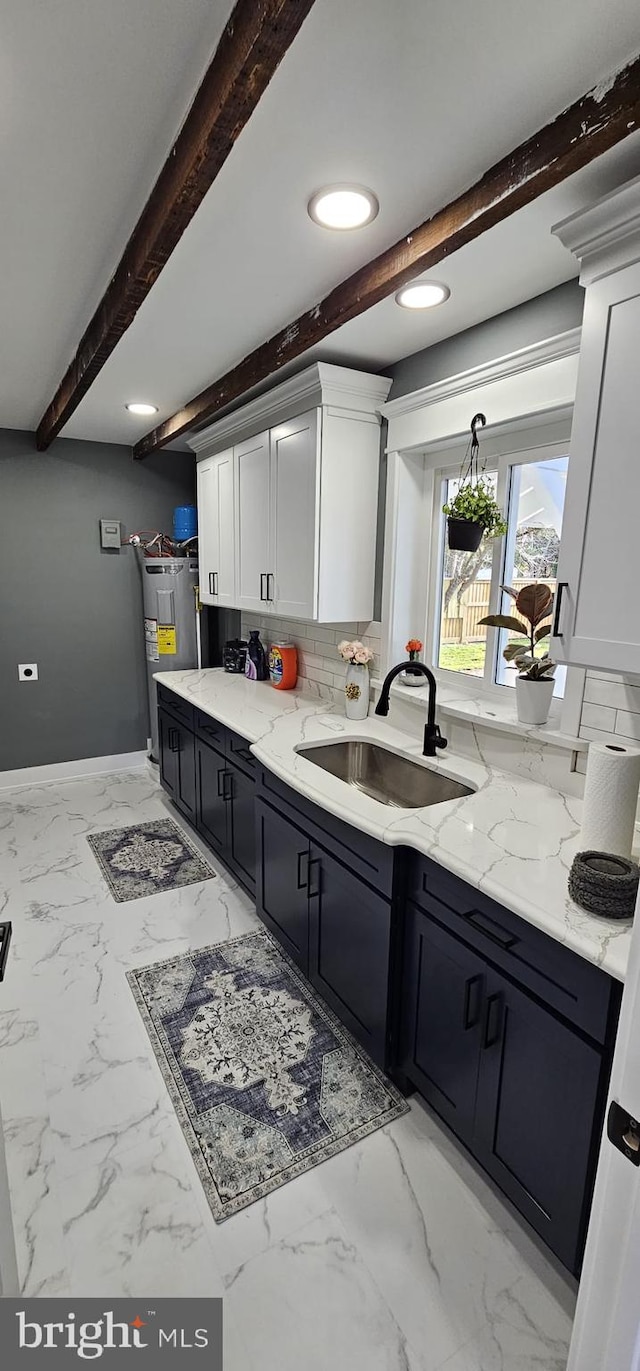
(28, 671)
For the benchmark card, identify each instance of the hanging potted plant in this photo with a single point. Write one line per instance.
(534, 685)
(473, 513)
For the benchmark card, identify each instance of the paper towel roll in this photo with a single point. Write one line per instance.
(611, 798)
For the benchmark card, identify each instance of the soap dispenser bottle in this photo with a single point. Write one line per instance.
(256, 668)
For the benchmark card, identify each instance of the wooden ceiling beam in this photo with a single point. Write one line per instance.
(256, 38)
(600, 119)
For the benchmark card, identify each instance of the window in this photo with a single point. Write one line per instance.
(531, 487)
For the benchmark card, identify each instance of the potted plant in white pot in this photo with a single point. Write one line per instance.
(534, 685)
(474, 513)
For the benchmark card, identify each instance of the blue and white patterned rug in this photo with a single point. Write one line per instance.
(265, 1081)
(147, 858)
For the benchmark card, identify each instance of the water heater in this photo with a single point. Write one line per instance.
(170, 632)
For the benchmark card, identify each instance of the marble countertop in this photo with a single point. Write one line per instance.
(512, 838)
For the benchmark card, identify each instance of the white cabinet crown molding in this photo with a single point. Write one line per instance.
(320, 384)
(524, 359)
(606, 236)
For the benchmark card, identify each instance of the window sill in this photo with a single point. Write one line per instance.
(486, 713)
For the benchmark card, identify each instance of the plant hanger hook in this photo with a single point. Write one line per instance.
(470, 466)
(477, 419)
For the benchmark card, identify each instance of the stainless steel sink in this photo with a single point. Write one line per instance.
(384, 775)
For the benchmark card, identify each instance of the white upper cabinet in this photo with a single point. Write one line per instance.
(252, 531)
(596, 623)
(305, 492)
(216, 545)
(294, 480)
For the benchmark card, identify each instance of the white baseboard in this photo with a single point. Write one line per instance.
(71, 771)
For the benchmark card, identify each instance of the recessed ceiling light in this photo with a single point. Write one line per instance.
(422, 295)
(138, 407)
(343, 207)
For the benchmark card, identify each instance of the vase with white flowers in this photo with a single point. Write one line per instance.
(356, 686)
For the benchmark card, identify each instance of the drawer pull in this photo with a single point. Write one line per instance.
(5, 939)
(560, 588)
(493, 1020)
(314, 862)
(493, 930)
(302, 882)
(245, 755)
(472, 989)
(225, 792)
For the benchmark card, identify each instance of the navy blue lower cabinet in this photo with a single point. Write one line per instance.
(178, 763)
(537, 1104)
(168, 758)
(282, 874)
(442, 1008)
(349, 944)
(209, 772)
(522, 1087)
(211, 768)
(241, 830)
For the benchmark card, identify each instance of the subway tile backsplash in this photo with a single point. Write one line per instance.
(611, 708)
(320, 670)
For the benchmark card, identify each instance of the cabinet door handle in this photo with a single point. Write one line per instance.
(174, 740)
(215, 583)
(227, 790)
(493, 930)
(211, 583)
(263, 575)
(471, 1016)
(314, 862)
(221, 775)
(5, 939)
(493, 1019)
(270, 577)
(560, 588)
(302, 882)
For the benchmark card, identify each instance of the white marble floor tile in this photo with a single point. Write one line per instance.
(310, 1301)
(132, 1225)
(439, 1262)
(35, 1206)
(528, 1330)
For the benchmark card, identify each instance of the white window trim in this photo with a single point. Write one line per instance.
(411, 559)
(501, 463)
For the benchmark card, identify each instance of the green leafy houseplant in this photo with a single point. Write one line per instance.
(476, 505)
(473, 513)
(534, 603)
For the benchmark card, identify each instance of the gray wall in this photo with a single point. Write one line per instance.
(70, 607)
(554, 312)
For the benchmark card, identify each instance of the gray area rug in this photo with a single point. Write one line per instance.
(265, 1081)
(147, 858)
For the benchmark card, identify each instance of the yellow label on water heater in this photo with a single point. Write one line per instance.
(167, 640)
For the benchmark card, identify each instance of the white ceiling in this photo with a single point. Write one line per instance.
(413, 99)
(92, 93)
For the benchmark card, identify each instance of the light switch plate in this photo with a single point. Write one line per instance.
(28, 671)
(110, 535)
